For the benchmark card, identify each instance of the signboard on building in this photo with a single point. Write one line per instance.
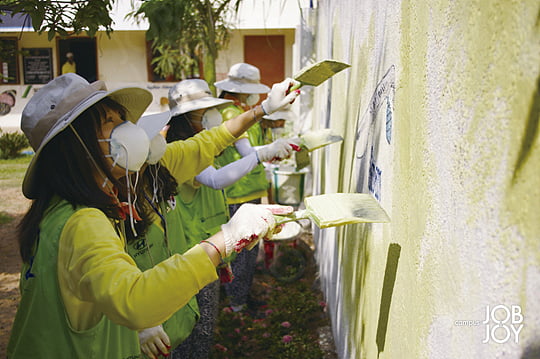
(8, 61)
(37, 65)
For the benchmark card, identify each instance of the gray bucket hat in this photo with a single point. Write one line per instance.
(60, 102)
(243, 78)
(190, 95)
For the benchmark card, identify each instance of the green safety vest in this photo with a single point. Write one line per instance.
(41, 328)
(151, 249)
(255, 181)
(203, 211)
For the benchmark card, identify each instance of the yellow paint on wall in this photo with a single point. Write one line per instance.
(476, 63)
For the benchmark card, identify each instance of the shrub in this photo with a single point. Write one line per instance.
(287, 331)
(11, 144)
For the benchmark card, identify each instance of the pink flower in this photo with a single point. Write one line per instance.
(237, 330)
(286, 339)
(266, 335)
(220, 347)
(322, 304)
(227, 310)
(244, 338)
(286, 325)
(268, 312)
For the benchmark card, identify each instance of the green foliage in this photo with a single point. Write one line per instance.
(185, 33)
(289, 329)
(11, 144)
(172, 61)
(5, 217)
(65, 18)
(12, 171)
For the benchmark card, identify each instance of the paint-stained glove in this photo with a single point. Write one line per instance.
(279, 97)
(276, 151)
(154, 342)
(249, 224)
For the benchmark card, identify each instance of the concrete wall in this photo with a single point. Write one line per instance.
(440, 114)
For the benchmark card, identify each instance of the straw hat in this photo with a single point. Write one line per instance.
(190, 95)
(243, 78)
(60, 102)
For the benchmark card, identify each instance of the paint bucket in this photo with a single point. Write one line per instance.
(289, 231)
(288, 186)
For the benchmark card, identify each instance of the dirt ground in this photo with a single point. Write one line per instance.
(14, 205)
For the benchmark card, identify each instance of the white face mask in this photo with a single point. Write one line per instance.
(129, 146)
(211, 118)
(158, 145)
(252, 99)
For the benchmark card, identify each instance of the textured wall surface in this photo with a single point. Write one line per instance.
(440, 114)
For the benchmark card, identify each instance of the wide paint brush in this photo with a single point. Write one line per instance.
(338, 209)
(317, 73)
(313, 140)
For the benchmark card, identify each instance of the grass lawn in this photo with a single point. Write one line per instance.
(12, 171)
(11, 176)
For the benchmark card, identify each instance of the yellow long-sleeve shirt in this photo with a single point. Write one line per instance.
(96, 275)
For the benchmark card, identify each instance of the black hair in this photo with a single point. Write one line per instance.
(224, 93)
(179, 128)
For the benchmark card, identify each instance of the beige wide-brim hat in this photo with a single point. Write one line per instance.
(190, 95)
(243, 78)
(57, 104)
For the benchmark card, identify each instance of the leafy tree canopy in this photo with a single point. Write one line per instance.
(65, 18)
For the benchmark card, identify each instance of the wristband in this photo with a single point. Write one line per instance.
(263, 110)
(216, 248)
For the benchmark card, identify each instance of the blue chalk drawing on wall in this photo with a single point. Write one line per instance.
(369, 131)
(388, 120)
(374, 183)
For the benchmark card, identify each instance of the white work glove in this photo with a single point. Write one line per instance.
(249, 224)
(279, 97)
(276, 151)
(154, 342)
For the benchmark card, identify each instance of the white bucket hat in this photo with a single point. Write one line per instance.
(60, 102)
(243, 78)
(190, 95)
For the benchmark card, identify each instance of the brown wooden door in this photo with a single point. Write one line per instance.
(268, 54)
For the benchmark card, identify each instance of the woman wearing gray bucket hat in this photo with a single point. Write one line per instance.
(243, 87)
(82, 294)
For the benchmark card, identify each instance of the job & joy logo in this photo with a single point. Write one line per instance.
(503, 323)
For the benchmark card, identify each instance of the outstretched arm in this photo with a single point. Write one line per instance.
(229, 174)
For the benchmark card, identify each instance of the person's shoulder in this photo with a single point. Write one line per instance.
(89, 214)
(230, 112)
